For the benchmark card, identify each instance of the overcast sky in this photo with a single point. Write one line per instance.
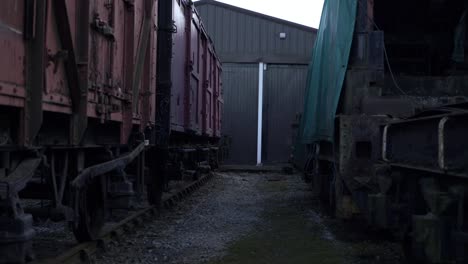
(305, 12)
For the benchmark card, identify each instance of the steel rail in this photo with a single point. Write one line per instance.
(83, 253)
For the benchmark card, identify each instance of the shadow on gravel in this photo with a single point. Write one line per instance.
(294, 230)
(251, 218)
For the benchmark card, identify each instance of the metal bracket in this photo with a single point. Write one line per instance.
(103, 28)
(172, 29)
(88, 174)
(18, 179)
(129, 3)
(57, 57)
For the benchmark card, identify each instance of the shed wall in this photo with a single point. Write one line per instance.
(283, 102)
(240, 83)
(244, 38)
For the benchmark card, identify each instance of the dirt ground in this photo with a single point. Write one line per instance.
(252, 218)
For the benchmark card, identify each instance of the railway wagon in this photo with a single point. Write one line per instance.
(99, 111)
(385, 124)
(189, 97)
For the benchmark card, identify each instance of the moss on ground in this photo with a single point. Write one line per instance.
(285, 235)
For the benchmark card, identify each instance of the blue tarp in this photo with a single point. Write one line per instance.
(327, 70)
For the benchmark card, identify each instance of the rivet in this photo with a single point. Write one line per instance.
(51, 97)
(14, 90)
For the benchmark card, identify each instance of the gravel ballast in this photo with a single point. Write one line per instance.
(249, 218)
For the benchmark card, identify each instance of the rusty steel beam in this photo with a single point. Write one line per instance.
(76, 83)
(36, 73)
(163, 76)
(434, 143)
(80, 117)
(129, 51)
(188, 71)
(142, 51)
(64, 30)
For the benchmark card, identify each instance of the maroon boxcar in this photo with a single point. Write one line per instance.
(82, 124)
(189, 89)
(82, 63)
(196, 75)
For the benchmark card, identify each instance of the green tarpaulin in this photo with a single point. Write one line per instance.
(327, 70)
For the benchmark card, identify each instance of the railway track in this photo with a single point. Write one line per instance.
(83, 253)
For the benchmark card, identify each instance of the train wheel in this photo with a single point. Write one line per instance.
(308, 170)
(91, 211)
(214, 161)
(155, 191)
(156, 185)
(158, 173)
(411, 253)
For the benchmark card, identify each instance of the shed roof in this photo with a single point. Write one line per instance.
(256, 14)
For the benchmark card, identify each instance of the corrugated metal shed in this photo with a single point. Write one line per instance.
(244, 36)
(240, 111)
(284, 101)
(243, 39)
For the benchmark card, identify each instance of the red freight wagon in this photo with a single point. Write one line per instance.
(95, 97)
(76, 65)
(195, 94)
(189, 80)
